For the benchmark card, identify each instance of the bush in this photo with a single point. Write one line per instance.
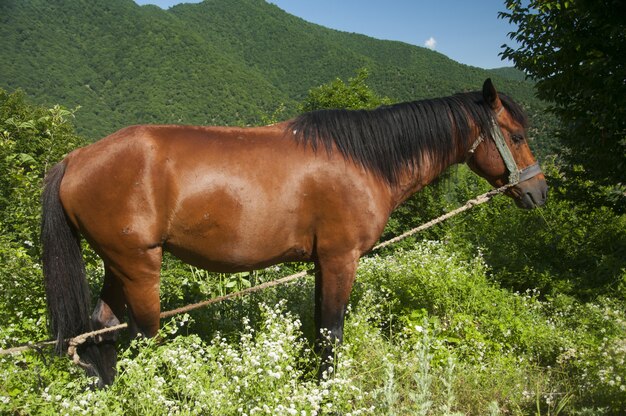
(562, 248)
(32, 139)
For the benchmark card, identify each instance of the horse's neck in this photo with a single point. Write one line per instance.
(424, 172)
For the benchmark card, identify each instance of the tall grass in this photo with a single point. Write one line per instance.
(426, 334)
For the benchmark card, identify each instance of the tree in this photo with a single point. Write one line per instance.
(32, 139)
(576, 51)
(354, 95)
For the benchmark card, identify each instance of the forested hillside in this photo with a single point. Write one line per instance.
(217, 62)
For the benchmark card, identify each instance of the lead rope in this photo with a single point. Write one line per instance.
(78, 340)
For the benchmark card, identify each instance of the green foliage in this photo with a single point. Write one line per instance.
(510, 73)
(219, 62)
(32, 139)
(575, 51)
(427, 333)
(502, 340)
(452, 189)
(564, 247)
(354, 95)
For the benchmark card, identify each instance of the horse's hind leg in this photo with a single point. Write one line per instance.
(333, 284)
(131, 283)
(139, 275)
(109, 312)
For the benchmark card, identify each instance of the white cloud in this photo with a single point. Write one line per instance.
(431, 43)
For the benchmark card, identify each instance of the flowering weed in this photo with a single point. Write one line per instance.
(427, 333)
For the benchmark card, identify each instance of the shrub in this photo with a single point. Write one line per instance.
(562, 248)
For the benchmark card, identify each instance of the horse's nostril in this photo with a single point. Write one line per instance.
(539, 198)
(533, 199)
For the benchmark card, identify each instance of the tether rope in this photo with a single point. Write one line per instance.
(80, 339)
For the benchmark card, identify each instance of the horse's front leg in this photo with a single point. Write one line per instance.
(333, 283)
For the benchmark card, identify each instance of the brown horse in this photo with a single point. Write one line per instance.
(318, 188)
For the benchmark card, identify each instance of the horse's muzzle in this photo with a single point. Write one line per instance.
(531, 193)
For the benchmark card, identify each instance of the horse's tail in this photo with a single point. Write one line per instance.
(67, 289)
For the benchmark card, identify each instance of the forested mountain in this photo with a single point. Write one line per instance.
(216, 62)
(509, 72)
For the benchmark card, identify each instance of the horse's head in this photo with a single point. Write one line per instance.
(507, 158)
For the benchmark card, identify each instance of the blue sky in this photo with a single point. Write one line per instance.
(466, 31)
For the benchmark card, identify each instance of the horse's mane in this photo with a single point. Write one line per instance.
(392, 138)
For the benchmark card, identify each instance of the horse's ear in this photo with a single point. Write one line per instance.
(490, 95)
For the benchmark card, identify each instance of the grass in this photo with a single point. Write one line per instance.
(427, 333)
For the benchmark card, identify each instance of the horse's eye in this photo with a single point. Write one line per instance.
(517, 137)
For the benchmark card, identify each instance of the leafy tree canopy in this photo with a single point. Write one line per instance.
(354, 95)
(32, 139)
(575, 50)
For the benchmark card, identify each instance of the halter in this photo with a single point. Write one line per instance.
(515, 175)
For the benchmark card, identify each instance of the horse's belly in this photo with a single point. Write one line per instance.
(235, 263)
(240, 241)
(227, 256)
